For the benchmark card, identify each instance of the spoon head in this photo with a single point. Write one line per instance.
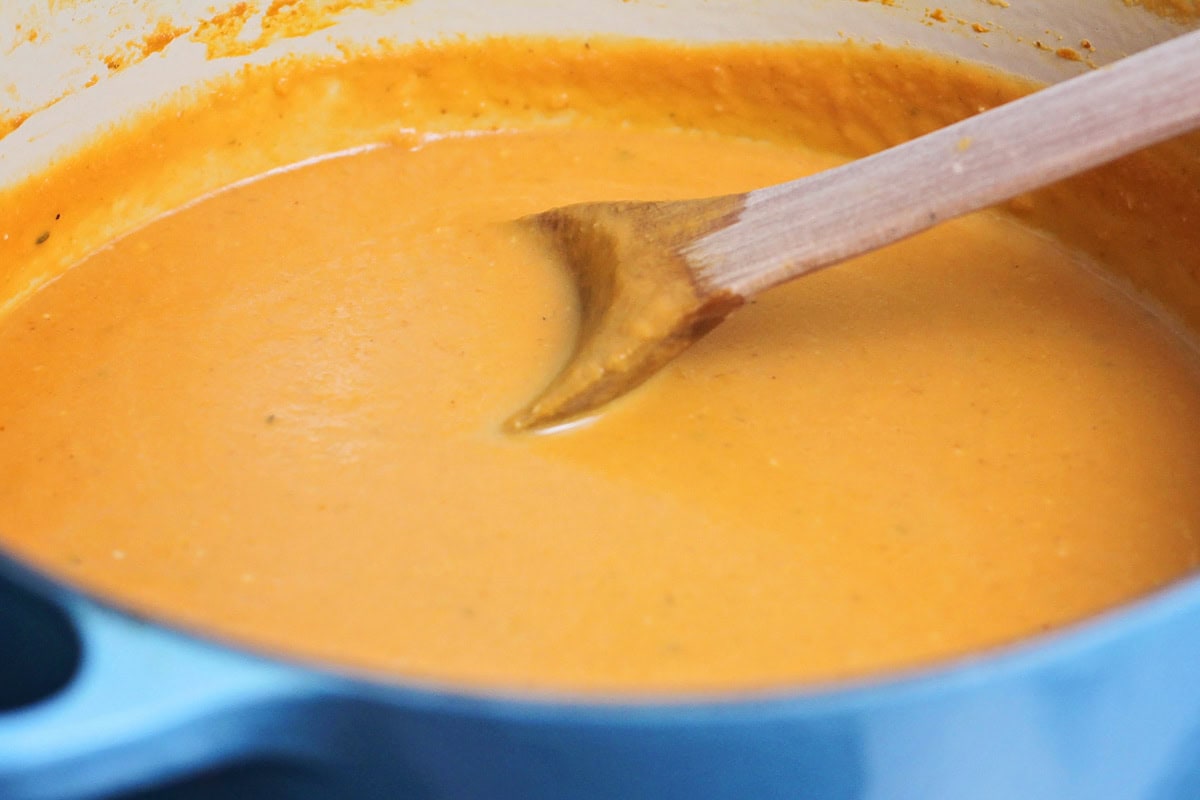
(640, 303)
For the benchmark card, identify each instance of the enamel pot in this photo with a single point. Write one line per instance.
(96, 702)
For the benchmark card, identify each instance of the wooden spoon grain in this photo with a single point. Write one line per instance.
(655, 277)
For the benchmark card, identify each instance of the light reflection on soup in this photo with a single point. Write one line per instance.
(275, 413)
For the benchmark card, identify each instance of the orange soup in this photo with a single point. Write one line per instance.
(276, 414)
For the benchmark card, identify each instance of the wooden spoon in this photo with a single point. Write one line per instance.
(655, 277)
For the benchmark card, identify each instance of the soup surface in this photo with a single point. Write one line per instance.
(275, 414)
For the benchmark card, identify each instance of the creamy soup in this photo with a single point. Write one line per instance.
(276, 414)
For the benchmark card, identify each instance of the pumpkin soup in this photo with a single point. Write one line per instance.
(276, 413)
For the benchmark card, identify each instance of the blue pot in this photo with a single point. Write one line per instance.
(95, 703)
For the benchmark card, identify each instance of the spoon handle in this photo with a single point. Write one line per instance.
(787, 230)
